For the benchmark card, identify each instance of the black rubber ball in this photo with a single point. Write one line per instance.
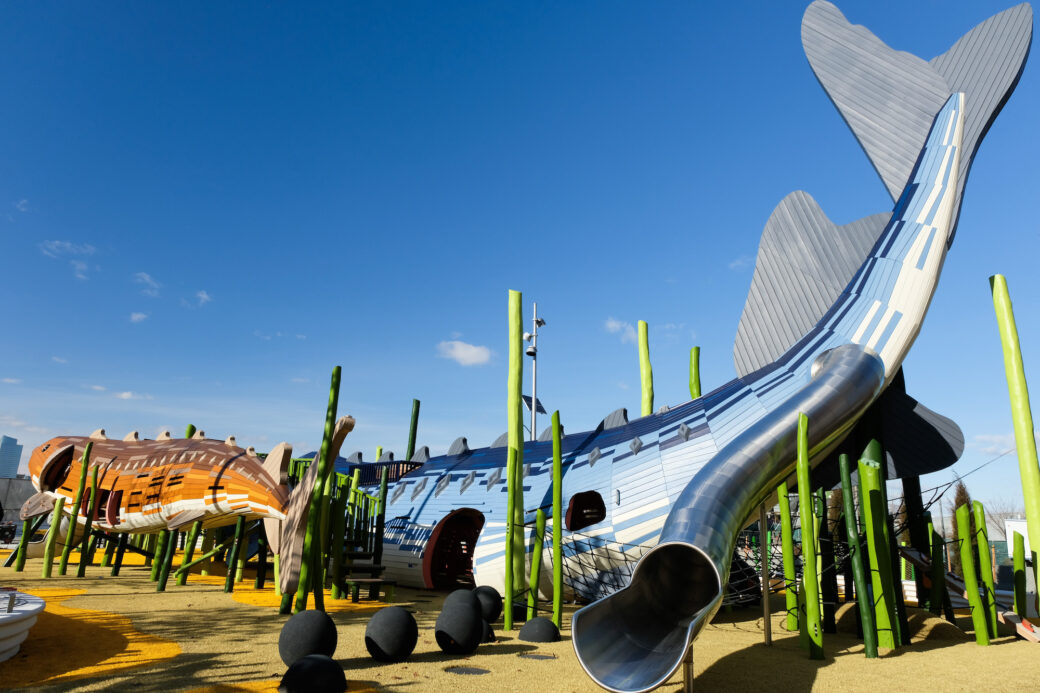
(307, 633)
(539, 629)
(519, 611)
(314, 674)
(490, 602)
(459, 628)
(391, 634)
(489, 633)
(460, 597)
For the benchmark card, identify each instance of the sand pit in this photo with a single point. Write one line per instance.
(109, 634)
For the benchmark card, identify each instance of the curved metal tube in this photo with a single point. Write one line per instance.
(635, 639)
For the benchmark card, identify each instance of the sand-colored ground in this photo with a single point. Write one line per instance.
(199, 638)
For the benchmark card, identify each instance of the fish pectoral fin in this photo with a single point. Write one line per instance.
(917, 440)
(184, 517)
(36, 505)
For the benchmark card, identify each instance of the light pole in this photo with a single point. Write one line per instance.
(532, 351)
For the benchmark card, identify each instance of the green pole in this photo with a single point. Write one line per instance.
(877, 549)
(829, 572)
(1020, 574)
(809, 580)
(23, 545)
(84, 554)
(261, 558)
(507, 598)
(971, 581)
(167, 561)
(150, 544)
(695, 372)
(236, 548)
(124, 538)
(323, 549)
(339, 529)
(646, 373)
(536, 564)
(937, 575)
(514, 414)
(189, 550)
(985, 566)
(1018, 391)
(787, 547)
(866, 613)
(110, 548)
(413, 427)
(206, 556)
(379, 452)
(207, 545)
(52, 537)
(557, 529)
(307, 560)
(77, 501)
(240, 558)
(160, 551)
(189, 431)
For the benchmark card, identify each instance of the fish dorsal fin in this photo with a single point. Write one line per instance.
(804, 262)
(99, 434)
(889, 98)
(198, 435)
(164, 435)
(276, 464)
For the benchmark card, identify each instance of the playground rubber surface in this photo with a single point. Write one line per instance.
(110, 634)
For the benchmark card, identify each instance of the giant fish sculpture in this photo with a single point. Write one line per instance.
(146, 486)
(831, 314)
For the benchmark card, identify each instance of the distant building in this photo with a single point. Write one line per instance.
(10, 456)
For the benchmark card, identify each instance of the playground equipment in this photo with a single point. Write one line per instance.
(920, 123)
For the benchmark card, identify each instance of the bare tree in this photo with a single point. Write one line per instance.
(1000, 509)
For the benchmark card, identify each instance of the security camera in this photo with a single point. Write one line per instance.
(527, 336)
(531, 350)
(539, 322)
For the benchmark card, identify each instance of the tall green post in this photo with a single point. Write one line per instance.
(859, 576)
(557, 515)
(307, 562)
(413, 427)
(516, 561)
(695, 372)
(985, 566)
(84, 554)
(23, 546)
(52, 537)
(809, 580)
(339, 530)
(1018, 391)
(787, 547)
(646, 373)
(507, 598)
(167, 561)
(880, 568)
(189, 550)
(77, 501)
(1019, 553)
(937, 575)
(207, 544)
(233, 553)
(971, 580)
(536, 564)
(160, 551)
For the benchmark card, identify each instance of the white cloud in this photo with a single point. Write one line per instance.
(79, 269)
(10, 381)
(994, 443)
(301, 336)
(58, 248)
(97, 388)
(464, 354)
(22, 205)
(59, 359)
(619, 327)
(151, 287)
(10, 422)
(741, 262)
(300, 380)
(203, 297)
(138, 317)
(131, 395)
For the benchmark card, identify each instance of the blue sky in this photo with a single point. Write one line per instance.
(206, 207)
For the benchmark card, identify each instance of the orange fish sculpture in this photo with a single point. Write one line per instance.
(149, 485)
